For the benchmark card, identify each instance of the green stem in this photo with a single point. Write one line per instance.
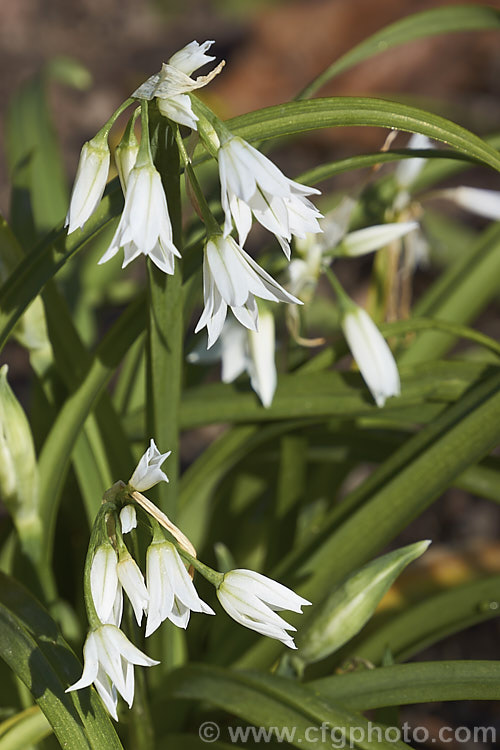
(104, 131)
(213, 576)
(343, 298)
(165, 329)
(201, 203)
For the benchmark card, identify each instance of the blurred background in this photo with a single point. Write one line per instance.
(273, 48)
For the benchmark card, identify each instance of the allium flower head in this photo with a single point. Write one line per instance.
(253, 599)
(232, 278)
(372, 354)
(147, 473)
(171, 86)
(172, 594)
(109, 659)
(144, 225)
(252, 184)
(90, 181)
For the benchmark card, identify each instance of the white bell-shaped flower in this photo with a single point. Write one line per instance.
(232, 278)
(90, 181)
(252, 184)
(240, 350)
(147, 473)
(144, 225)
(478, 201)
(369, 239)
(172, 595)
(253, 599)
(371, 353)
(109, 659)
(104, 581)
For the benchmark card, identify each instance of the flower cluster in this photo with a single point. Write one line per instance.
(166, 593)
(251, 185)
(252, 188)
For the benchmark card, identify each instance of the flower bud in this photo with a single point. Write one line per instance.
(369, 239)
(90, 182)
(351, 605)
(372, 354)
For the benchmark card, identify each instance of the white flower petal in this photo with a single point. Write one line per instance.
(128, 518)
(372, 354)
(366, 240)
(133, 584)
(104, 580)
(90, 181)
(148, 472)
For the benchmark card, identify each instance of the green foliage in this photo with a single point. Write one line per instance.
(283, 489)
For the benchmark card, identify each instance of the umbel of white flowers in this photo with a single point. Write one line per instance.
(167, 593)
(251, 187)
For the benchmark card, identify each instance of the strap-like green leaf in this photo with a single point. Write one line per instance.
(426, 622)
(402, 684)
(297, 117)
(24, 729)
(331, 394)
(56, 451)
(46, 259)
(33, 648)
(270, 701)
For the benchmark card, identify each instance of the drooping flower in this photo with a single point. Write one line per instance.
(252, 184)
(371, 353)
(144, 225)
(147, 473)
(109, 659)
(232, 278)
(132, 582)
(253, 599)
(243, 350)
(172, 594)
(90, 181)
(104, 582)
(128, 518)
(478, 201)
(171, 86)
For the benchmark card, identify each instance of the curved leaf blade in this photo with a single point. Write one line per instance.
(32, 646)
(403, 684)
(298, 117)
